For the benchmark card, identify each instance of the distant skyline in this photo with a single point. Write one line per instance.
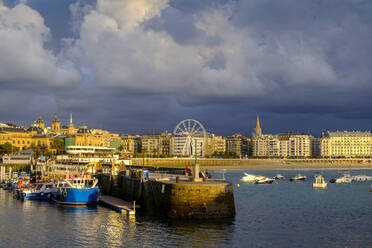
(140, 66)
(247, 133)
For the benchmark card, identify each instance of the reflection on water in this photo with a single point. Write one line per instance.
(287, 214)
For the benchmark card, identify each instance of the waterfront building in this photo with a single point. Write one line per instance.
(280, 145)
(128, 143)
(150, 143)
(165, 140)
(20, 157)
(16, 136)
(238, 145)
(346, 144)
(215, 144)
(42, 140)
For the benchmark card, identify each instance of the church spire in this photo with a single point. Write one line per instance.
(258, 123)
(257, 131)
(71, 119)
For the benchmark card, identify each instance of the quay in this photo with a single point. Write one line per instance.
(117, 204)
(171, 195)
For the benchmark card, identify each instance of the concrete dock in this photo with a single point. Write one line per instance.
(118, 204)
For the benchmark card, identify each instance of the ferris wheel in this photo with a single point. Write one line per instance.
(190, 129)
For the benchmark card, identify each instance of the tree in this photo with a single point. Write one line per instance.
(8, 148)
(121, 147)
(58, 145)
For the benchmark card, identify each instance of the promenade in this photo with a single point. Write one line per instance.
(257, 163)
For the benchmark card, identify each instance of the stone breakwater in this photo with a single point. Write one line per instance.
(256, 163)
(177, 200)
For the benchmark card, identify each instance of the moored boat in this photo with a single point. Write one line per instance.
(76, 191)
(319, 182)
(249, 178)
(299, 177)
(264, 180)
(346, 178)
(38, 191)
(361, 178)
(278, 176)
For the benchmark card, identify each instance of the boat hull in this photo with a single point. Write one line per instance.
(76, 196)
(31, 196)
(319, 186)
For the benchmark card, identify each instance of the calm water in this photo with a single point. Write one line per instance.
(287, 214)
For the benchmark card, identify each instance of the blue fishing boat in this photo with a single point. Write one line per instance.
(76, 191)
(42, 191)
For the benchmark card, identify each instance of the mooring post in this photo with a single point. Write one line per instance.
(196, 165)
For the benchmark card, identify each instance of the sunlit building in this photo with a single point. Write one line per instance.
(346, 144)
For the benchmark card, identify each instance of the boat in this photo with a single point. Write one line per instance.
(250, 178)
(40, 191)
(370, 188)
(346, 178)
(320, 182)
(76, 191)
(278, 176)
(264, 180)
(360, 178)
(299, 177)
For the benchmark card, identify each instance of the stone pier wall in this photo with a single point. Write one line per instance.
(184, 200)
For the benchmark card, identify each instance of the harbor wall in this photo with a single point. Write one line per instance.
(183, 200)
(254, 163)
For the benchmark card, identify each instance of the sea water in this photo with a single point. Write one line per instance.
(282, 214)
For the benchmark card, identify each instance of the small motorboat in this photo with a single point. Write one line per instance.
(361, 178)
(264, 180)
(278, 176)
(38, 192)
(320, 182)
(346, 178)
(250, 178)
(299, 177)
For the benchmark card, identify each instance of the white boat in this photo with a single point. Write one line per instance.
(299, 177)
(250, 178)
(346, 178)
(278, 176)
(361, 178)
(39, 192)
(320, 182)
(265, 180)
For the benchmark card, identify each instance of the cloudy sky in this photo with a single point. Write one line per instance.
(139, 66)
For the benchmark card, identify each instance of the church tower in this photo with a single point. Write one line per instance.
(257, 131)
(40, 123)
(56, 125)
(71, 128)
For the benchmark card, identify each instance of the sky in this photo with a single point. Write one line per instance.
(142, 66)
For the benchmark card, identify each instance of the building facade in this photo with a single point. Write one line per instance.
(237, 144)
(346, 144)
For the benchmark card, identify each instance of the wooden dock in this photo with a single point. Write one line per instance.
(118, 204)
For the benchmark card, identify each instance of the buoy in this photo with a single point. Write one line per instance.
(238, 185)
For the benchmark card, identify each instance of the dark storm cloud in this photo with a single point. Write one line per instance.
(145, 65)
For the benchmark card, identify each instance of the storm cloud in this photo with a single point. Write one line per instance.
(143, 65)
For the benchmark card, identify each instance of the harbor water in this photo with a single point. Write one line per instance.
(283, 214)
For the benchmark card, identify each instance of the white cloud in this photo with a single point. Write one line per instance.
(23, 57)
(124, 55)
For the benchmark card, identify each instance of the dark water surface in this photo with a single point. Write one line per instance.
(287, 214)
